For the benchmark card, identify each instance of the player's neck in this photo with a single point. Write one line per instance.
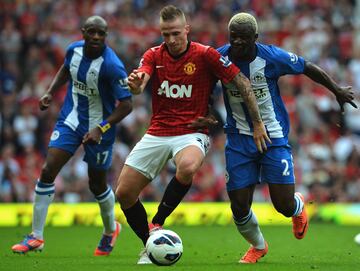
(246, 57)
(93, 54)
(180, 54)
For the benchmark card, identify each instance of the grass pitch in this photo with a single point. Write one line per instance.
(206, 248)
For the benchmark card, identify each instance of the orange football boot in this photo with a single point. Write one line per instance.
(300, 222)
(30, 243)
(254, 254)
(107, 242)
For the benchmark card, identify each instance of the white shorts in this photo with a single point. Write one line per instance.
(151, 153)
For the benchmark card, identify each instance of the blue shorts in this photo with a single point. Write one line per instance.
(98, 156)
(246, 166)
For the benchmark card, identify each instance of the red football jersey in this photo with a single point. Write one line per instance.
(181, 87)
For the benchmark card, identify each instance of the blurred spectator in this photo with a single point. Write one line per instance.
(10, 191)
(25, 125)
(10, 42)
(30, 163)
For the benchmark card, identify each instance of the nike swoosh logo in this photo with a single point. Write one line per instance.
(303, 231)
(166, 205)
(158, 67)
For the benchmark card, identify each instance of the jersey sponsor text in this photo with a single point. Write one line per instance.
(175, 91)
(84, 89)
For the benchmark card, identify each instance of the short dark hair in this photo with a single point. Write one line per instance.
(170, 12)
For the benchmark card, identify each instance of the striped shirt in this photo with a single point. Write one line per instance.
(270, 63)
(94, 87)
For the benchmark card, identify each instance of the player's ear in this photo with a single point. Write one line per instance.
(83, 30)
(187, 28)
(256, 36)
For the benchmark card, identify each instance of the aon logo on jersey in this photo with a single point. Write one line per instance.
(175, 91)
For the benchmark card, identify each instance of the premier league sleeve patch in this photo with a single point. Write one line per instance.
(123, 83)
(293, 58)
(225, 61)
(55, 135)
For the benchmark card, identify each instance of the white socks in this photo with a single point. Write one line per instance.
(249, 229)
(44, 195)
(106, 202)
(299, 205)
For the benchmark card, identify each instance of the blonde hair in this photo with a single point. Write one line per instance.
(244, 18)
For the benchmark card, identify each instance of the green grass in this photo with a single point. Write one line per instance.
(326, 247)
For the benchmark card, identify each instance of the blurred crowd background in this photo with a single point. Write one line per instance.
(34, 35)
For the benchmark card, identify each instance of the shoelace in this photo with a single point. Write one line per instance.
(27, 238)
(105, 241)
(300, 218)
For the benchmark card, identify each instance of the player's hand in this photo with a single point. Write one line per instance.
(93, 136)
(260, 136)
(345, 95)
(135, 80)
(202, 122)
(45, 101)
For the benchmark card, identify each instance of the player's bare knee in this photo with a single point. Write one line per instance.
(125, 196)
(187, 169)
(120, 193)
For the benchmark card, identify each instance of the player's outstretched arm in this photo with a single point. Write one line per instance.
(343, 94)
(244, 86)
(137, 81)
(61, 77)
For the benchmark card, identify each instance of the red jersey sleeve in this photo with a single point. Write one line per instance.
(147, 62)
(222, 67)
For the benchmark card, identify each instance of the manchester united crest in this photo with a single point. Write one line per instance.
(189, 68)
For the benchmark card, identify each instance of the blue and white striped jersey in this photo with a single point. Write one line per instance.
(263, 72)
(94, 87)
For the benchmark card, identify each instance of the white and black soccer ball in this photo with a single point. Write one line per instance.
(357, 239)
(164, 247)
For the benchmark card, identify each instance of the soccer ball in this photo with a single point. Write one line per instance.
(357, 239)
(164, 247)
